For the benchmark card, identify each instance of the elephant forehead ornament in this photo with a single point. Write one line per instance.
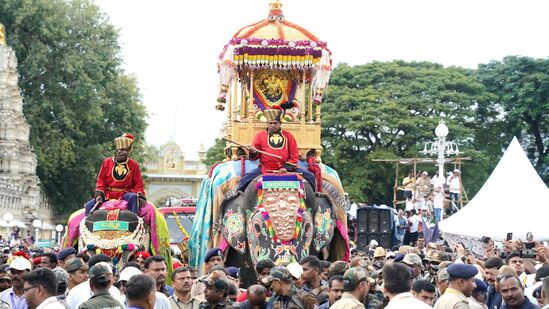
(280, 219)
(281, 207)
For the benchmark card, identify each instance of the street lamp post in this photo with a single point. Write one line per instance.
(59, 229)
(37, 225)
(440, 146)
(441, 131)
(8, 217)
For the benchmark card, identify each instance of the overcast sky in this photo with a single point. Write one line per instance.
(172, 46)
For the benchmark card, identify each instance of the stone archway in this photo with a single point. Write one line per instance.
(163, 194)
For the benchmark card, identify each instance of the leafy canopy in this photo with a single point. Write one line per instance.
(76, 96)
(387, 110)
(521, 86)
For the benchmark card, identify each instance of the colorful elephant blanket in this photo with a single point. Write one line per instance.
(224, 177)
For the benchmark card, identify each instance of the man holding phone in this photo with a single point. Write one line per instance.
(515, 260)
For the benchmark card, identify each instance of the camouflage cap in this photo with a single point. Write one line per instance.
(337, 268)
(353, 276)
(443, 275)
(412, 259)
(218, 279)
(278, 273)
(75, 264)
(100, 272)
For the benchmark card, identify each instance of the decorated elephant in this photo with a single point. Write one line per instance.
(278, 217)
(117, 232)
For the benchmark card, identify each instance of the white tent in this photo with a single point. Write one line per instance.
(513, 199)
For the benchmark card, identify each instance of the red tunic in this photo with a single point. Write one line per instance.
(282, 144)
(116, 178)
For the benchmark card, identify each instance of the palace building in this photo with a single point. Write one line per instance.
(171, 177)
(21, 198)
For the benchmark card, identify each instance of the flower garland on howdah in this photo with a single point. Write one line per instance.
(275, 54)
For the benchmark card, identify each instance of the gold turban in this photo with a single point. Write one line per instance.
(272, 114)
(124, 141)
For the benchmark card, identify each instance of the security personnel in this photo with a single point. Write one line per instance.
(213, 258)
(217, 285)
(461, 285)
(285, 294)
(356, 286)
(100, 282)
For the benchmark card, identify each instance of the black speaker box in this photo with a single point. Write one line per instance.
(384, 240)
(374, 220)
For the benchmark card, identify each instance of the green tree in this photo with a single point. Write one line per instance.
(216, 153)
(387, 110)
(76, 96)
(522, 88)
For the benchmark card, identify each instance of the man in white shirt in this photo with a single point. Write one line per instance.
(161, 301)
(82, 292)
(514, 260)
(414, 225)
(40, 288)
(454, 182)
(352, 211)
(397, 284)
(438, 180)
(438, 203)
(15, 295)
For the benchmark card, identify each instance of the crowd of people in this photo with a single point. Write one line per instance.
(426, 193)
(421, 275)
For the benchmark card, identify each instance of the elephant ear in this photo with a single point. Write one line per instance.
(233, 226)
(324, 222)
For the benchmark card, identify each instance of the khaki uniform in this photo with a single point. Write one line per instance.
(198, 287)
(473, 304)
(347, 301)
(452, 299)
(176, 303)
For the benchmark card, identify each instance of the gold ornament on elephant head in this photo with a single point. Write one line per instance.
(282, 206)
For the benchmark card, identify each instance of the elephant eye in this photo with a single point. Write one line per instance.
(307, 228)
(257, 227)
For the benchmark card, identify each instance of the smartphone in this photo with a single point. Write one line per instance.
(509, 236)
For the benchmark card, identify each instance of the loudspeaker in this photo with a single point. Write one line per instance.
(362, 241)
(374, 220)
(384, 240)
(362, 220)
(385, 217)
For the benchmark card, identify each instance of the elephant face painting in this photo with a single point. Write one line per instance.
(233, 229)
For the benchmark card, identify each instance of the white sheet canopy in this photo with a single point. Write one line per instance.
(513, 199)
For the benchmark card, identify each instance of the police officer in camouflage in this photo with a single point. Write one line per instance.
(285, 294)
(100, 282)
